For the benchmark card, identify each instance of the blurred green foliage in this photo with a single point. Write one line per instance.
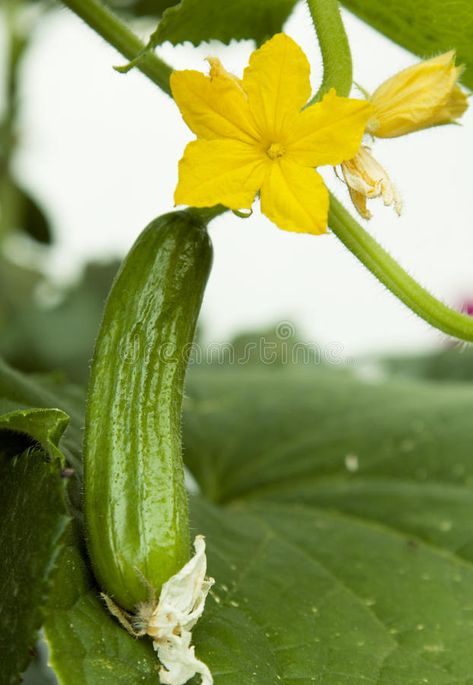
(38, 337)
(19, 211)
(452, 363)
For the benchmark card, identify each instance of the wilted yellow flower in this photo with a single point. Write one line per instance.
(420, 96)
(366, 179)
(254, 135)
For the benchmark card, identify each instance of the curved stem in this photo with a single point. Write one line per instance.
(333, 41)
(207, 214)
(388, 271)
(115, 32)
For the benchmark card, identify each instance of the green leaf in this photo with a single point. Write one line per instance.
(337, 515)
(45, 426)
(139, 8)
(33, 515)
(86, 644)
(32, 505)
(29, 414)
(313, 596)
(203, 20)
(425, 27)
(340, 525)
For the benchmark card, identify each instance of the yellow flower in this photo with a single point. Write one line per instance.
(421, 96)
(254, 135)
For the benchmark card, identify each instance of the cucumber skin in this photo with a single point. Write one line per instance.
(136, 511)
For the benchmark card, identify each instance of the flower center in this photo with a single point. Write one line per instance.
(275, 150)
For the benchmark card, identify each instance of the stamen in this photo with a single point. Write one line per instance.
(275, 150)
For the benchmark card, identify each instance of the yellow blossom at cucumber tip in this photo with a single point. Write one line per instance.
(254, 135)
(421, 96)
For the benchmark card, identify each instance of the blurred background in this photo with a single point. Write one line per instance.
(89, 156)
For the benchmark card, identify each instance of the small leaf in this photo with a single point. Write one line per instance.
(203, 20)
(45, 426)
(29, 408)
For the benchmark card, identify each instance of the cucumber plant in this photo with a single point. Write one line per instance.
(337, 511)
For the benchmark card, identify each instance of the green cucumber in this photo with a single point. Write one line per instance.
(135, 502)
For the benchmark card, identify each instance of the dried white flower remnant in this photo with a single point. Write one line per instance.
(170, 622)
(366, 179)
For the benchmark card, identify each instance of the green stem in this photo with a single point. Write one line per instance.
(115, 32)
(207, 214)
(333, 41)
(388, 271)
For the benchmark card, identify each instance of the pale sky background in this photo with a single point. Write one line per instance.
(101, 150)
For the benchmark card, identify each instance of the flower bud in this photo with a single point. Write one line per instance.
(418, 97)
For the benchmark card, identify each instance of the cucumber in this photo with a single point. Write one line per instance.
(136, 514)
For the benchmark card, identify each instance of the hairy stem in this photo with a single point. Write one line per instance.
(388, 271)
(333, 41)
(116, 32)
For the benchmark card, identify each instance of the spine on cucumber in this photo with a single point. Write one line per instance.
(135, 500)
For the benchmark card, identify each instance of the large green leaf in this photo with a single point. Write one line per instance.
(344, 510)
(32, 507)
(86, 644)
(337, 515)
(425, 27)
(203, 20)
(33, 516)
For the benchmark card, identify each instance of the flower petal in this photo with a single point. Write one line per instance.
(226, 172)
(295, 198)
(328, 132)
(213, 107)
(277, 83)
